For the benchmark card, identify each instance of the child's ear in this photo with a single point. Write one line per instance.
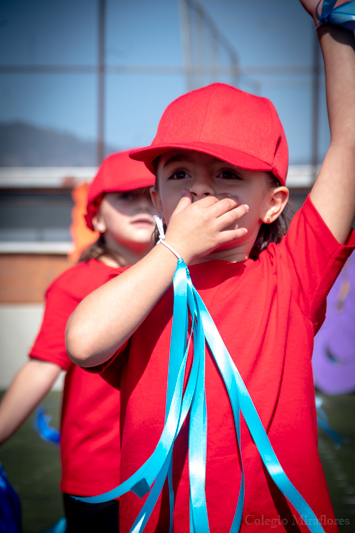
(99, 223)
(155, 195)
(276, 203)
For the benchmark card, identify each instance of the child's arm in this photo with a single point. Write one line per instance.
(106, 318)
(333, 194)
(28, 388)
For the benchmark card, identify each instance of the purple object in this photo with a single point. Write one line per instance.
(334, 345)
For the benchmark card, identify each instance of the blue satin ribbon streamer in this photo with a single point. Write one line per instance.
(46, 432)
(343, 15)
(151, 476)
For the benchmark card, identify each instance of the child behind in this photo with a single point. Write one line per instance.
(220, 158)
(120, 208)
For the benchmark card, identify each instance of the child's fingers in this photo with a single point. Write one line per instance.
(232, 216)
(232, 235)
(184, 202)
(226, 209)
(197, 228)
(214, 199)
(222, 204)
(223, 209)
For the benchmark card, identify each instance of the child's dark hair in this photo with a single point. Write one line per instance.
(268, 233)
(273, 232)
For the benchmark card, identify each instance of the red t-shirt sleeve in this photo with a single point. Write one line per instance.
(49, 344)
(62, 297)
(314, 259)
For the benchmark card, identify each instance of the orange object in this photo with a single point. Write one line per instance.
(81, 235)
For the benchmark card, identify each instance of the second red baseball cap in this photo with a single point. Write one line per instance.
(227, 123)
(118, 172)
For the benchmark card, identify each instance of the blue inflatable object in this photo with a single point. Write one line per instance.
(45, 431)
(10, 506)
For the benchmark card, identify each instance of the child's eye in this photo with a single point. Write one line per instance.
(126, 196)
(228, 175)
(178, 175)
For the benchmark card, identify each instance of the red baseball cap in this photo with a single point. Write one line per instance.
(118, 172)
(234, 126)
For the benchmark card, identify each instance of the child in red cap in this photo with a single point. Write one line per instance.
(220, 158)
(120, 208)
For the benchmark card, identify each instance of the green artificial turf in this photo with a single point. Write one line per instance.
(339, 462)
(33, 466)
(33, 469)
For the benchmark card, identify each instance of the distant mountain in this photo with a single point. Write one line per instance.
(26, 145)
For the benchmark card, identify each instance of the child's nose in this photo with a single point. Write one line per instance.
(201, 187)
(145, 204)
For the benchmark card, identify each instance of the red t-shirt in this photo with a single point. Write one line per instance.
(267, 312)
(90, 435)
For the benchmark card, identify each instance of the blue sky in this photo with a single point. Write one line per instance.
(141, 33)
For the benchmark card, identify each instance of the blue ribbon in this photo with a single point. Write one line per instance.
(151, 476)
(343, 15)
(45, 431)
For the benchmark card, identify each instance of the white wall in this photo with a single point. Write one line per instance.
(19, 324)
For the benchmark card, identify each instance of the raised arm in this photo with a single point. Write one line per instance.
(333, 193)
(106, 318)
(28, 388)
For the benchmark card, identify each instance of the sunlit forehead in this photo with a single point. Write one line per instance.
(190, 157)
